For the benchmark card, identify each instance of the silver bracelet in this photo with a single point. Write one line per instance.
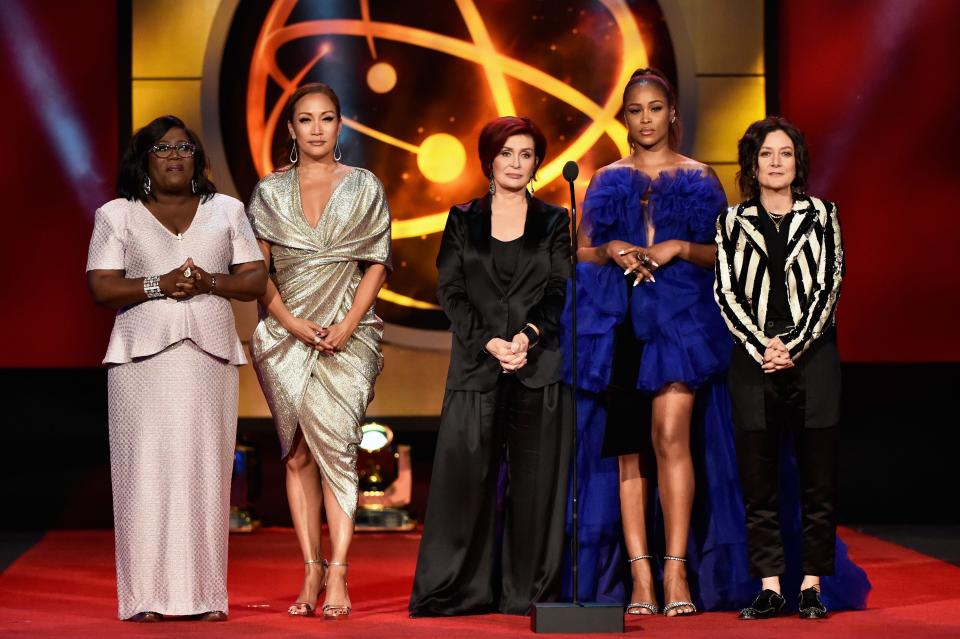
(213, 283)
(151, 286)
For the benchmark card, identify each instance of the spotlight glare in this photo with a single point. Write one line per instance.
(375, 437)
(382, 77)
(441, 158)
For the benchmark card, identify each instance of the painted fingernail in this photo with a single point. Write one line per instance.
(635, 282)
(653, 279)
(626, 271)
(655, 264)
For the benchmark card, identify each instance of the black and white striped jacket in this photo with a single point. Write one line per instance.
(814, 271)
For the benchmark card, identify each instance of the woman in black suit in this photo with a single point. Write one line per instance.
(503, 265)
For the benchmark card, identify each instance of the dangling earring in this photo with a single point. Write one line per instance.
(493, 186)
(294, 155)
(193, 186)
(146, 185)
(337, 153)
(530, 186)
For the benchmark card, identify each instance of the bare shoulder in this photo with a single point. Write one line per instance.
(685, 163)
(622, 163)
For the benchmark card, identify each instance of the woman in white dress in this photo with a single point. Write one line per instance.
(169, 253)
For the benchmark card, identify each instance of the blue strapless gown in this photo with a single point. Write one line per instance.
(685, 340)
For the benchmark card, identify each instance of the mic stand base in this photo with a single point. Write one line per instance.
(565, 617)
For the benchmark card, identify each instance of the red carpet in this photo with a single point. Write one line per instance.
(64, 587)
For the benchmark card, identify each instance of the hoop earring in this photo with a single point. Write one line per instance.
(146, 185)
(337, 153)
(193, 186)
(493, 186)
(294, 154)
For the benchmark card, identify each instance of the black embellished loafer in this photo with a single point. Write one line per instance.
(767, 604)
(810, 605)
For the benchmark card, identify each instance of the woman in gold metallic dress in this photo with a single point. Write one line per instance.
(324, 229)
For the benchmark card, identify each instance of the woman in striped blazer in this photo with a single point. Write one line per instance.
(778, 273)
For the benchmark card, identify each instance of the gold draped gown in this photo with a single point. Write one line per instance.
(316, 271)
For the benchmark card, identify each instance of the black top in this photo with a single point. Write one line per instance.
(505, 259)
(471, 291)
(778, 308)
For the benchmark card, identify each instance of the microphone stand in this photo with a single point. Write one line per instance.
(575, 616)
(575, 554)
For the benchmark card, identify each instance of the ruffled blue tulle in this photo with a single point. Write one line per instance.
(686, 341)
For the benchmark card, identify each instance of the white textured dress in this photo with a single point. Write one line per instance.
(172, 395)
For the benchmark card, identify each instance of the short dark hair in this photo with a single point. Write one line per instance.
(495, 134)
(748, 150)
(133, 164)
(650, 75)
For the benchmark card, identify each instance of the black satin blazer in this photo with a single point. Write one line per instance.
(480, 309)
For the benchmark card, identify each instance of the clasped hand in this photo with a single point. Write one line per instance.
(512, 355)
(642, 261)
(179, 285)
(776, 357)
(328, 340)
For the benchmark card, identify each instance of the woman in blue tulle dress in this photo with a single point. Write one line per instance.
(652, 399)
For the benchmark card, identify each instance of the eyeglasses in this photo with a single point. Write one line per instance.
(184, 150)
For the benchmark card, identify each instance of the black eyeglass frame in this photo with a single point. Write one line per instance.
(165, 151)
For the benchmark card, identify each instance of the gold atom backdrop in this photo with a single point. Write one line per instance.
(417, 81)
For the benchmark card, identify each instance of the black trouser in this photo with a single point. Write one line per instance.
(791, 405)
(758, 453)
(463, 567)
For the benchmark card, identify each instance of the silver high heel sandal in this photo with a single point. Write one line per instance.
(678, 604)
(333, 611)
(636, 607)
(305, 608)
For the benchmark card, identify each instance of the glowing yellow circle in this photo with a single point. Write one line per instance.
(382, 77)
(441, 158)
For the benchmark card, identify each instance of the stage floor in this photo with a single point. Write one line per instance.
(63, 586)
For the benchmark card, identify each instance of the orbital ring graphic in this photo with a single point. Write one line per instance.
(441, 157)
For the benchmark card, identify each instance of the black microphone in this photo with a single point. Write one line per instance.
(570, 171)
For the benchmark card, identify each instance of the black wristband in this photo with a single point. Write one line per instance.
(531, 334)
